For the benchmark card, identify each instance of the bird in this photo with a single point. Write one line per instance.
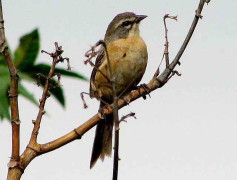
(127, 53)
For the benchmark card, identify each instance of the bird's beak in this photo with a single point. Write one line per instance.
(140, 17)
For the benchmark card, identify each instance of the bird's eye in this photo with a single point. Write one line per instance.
(126, 23)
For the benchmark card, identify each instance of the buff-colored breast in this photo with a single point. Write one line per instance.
(128, 59)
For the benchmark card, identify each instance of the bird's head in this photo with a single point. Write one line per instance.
(123, 25)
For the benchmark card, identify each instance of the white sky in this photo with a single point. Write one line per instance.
(186, 131)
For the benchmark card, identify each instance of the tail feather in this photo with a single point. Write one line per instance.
(103, 140)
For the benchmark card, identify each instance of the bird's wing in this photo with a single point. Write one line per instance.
(98, 62)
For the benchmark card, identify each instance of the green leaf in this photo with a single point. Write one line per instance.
(24, 92)
(27, 51)
(1, 60)
(3, 71)
(4, 103)
(44, 69)
(57, 92)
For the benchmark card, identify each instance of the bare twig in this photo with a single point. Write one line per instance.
(166, 52)
(172, 74)
(91, 53)
(127, 116)
(158, 69)
(83, 99)
(68, 64)
(59, 79)
(56, 58)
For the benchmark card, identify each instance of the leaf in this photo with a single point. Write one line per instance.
(44, 69)
(27, 51)
(3, 71)
(57, 92)
(4, 103)
(1, 60)
(24, 92)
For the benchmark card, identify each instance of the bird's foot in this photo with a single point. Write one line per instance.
(101, 111)
(146, 90)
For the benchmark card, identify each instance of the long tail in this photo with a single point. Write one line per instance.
(103, 139)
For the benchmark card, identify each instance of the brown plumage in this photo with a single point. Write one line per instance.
(128, 57)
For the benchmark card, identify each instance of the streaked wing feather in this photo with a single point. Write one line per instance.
(98, 62)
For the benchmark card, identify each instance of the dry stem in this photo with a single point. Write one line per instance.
(13, 96)
(45, 95)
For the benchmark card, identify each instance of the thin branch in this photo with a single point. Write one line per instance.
(12, 95)
(127, 116)
(188, 37)
(83, 99)
(91, 53)
(166, 52)
(45, 95)
(115, 114)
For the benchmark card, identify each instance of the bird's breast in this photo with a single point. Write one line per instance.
(128, 59)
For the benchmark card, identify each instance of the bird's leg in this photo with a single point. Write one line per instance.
(101, 111)
(146, 90)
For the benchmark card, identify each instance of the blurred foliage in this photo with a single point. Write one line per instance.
(24, 59)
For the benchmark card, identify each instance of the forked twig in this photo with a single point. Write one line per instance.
(166, 51)
(90, 54)
(56, 59)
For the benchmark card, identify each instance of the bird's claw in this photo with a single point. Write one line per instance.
(146, 92)
(101, 111)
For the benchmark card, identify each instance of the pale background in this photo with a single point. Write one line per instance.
(186, 131)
